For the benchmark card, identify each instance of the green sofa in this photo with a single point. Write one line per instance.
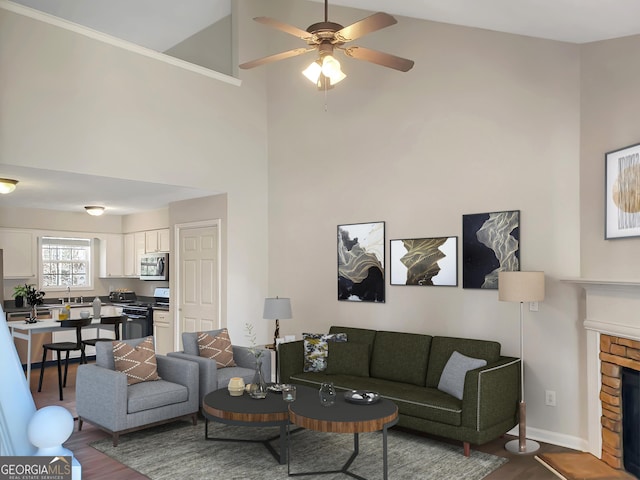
(406, 368)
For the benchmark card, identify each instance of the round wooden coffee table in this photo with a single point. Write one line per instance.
(271, 411)
(343, 417)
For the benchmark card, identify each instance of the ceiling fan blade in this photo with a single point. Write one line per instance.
(367, 25)
(284, 27)
(274, 58)
(379, 58)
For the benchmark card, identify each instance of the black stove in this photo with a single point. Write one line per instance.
(139, 311)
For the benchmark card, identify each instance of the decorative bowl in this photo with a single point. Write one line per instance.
(361, 397)
(84, 314)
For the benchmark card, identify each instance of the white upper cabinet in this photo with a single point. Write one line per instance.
(19, 253)
(157, 240)
(111, 256)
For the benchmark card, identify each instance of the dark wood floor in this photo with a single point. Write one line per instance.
(97, 466)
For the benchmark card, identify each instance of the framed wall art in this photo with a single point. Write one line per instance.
(424, 261)
(490, 244)
(622, 193)
(361, 262)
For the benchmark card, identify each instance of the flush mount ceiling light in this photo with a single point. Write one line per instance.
(325, 37)
(7, 185)
(94, 210)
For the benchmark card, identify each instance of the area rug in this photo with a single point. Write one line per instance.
(179, 450)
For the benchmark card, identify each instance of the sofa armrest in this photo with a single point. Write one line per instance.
(291, 359)
(491, 394)
(101, 396)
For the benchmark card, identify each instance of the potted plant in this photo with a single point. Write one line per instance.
(34, 298)
(19, 294)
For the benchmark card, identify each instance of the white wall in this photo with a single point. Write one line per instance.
(70, 103)
(484, 122)
(610, 105)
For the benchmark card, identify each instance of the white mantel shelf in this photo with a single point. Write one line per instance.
(603, 283)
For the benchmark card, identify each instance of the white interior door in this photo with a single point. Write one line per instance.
(199, 297)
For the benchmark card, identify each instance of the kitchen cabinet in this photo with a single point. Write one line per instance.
(163, 332)
(111, 256)
(133, 249)
(19, 253)
(157, 240)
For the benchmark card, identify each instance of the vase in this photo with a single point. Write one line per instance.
(327, 394)
(19, 301)
(258, 387)
(33, 316)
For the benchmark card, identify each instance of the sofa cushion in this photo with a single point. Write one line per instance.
(216, 347)
(443, 347)
(137, 363)
(316, 349)
(401, 357)
(348, 358)
(190, 341)
(452, 378)
(150, 395)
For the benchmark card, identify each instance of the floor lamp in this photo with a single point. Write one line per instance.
(521, 287)
(277, 309)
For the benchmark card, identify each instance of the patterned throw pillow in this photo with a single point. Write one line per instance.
(137, 363)
(316, 349)
(217, 347)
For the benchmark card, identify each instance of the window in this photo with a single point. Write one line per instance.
(66, 262)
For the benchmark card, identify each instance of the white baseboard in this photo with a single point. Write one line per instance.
(560, 439)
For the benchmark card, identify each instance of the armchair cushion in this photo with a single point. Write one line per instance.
(138, 362)
(150, 395)
(190, 341)
(217, 347)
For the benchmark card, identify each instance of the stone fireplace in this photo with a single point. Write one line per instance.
(612, 322)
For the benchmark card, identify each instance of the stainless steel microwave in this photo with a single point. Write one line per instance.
(154, 266)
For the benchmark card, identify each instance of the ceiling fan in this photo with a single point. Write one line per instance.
(327, 37)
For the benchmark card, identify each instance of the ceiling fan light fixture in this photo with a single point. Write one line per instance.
(7, 185)
(313, 71)
(94, 210)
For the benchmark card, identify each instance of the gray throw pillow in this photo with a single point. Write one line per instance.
(452, 378)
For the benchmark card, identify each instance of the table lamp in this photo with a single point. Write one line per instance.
(277, 309)
(521, 287)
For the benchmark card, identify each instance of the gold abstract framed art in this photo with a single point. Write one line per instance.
(622, 193)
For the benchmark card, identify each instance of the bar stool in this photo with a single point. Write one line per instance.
(60, 347)
(115, 321)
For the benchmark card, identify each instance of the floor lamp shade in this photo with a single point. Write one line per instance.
(521, 286)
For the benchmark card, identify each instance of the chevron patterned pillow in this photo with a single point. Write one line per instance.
(217, 347)
(137, 363)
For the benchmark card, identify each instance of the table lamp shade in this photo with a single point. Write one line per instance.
(521, 286)
(277, 308)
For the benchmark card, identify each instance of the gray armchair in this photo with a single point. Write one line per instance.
(211, 377)
(104, 399)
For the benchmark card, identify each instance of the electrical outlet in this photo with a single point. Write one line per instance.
(533, 306)
(550, 398)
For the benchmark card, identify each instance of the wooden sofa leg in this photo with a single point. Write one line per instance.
(467, 448)
(194, 418)
(116, 437)
(79, 424)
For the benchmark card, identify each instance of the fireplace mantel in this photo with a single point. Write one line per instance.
(612, 308)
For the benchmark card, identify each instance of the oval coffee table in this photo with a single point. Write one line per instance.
(343, 417)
